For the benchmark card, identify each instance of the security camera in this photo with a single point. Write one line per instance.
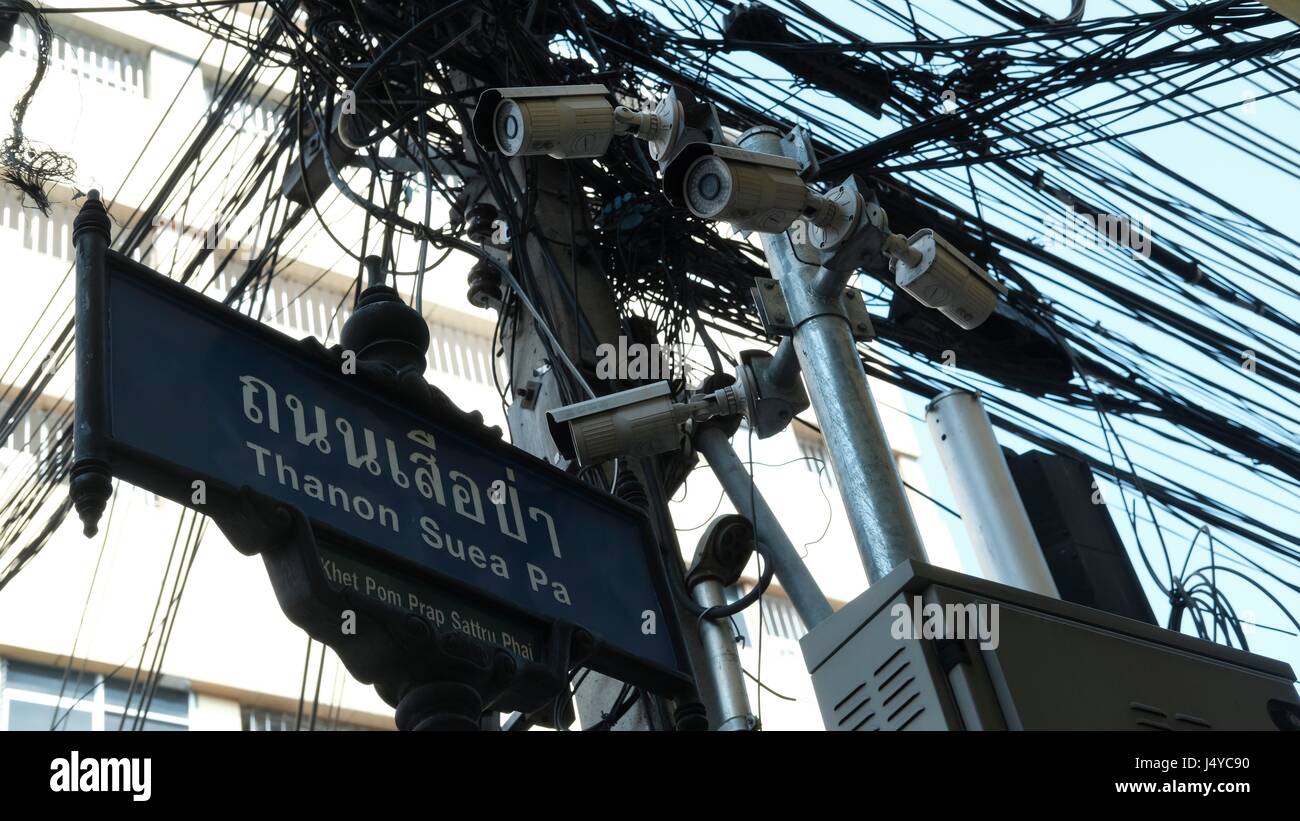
(642, 421)
(939, 276)
(561, 121)
(750, 190)
(569, 122)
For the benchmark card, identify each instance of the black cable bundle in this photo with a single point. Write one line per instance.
(31, 168)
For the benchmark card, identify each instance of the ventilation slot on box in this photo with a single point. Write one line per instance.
(885, 701)
(1153, 718)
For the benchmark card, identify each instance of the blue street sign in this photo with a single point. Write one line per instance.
(435, 516)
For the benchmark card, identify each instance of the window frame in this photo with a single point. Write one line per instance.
(103, 716)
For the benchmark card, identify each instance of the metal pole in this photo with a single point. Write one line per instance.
(865, 471)
(991, 509)
(732, 698)
(795, 579)
(583, 313)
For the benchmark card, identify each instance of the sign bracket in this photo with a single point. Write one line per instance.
(437, 680)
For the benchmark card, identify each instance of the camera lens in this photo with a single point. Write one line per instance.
(708, 187)
(510, 127)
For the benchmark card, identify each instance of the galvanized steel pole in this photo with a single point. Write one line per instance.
(865, 471)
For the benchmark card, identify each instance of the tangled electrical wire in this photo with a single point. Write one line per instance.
(1130, 362)
(31, 168)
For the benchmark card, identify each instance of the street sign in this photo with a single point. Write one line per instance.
(424, 513)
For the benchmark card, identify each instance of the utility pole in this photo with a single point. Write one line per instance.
(559, 230)
(574, 293)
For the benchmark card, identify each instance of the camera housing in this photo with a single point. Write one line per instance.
(750, 190)
(565, 122)
(939, 276)
(643, 421)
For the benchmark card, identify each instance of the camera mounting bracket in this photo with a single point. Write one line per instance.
(780, 316)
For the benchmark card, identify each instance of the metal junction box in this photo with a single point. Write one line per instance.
(930, 649)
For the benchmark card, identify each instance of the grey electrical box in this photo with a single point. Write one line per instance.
(930, 649)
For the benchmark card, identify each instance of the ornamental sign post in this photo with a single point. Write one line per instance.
(454, 571)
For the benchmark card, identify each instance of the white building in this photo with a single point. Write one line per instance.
(74, 622)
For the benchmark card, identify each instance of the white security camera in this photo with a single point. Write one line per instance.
(568, 122)
(939, 276)
(562, 121)
(642, 421)
(750, 190)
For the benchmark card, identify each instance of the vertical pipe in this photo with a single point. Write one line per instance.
(795, 579)
(994, 515)
(865, 471)
(723, 661)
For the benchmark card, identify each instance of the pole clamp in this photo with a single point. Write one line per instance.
(780, 318)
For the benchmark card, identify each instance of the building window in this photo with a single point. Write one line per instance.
(251, 117)
(257, 719)
(300, 308)
(780, 619)
(169, 709)
(43, 435)
(40, 697)
(815, 456)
